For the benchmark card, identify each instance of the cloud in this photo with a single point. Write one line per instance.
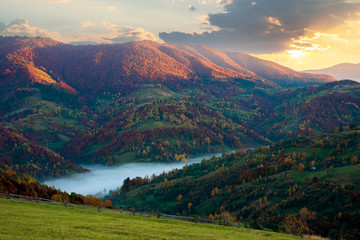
(322, 49)
(87, 24)
(127, 33)
(105, 32)
(225, 2)
(21, 27)
(266, 26)
(55, 0)
(89, 32)
(109, 8)
(191, 7)
(51, 1)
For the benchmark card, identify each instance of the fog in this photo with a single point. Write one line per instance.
(101, 179)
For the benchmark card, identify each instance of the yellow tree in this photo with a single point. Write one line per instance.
(306, 215)
(189, 207)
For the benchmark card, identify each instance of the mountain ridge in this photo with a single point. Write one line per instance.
(123, 66)
(341, 71)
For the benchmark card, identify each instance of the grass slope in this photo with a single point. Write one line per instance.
(26, 220)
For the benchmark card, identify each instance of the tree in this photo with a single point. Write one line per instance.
(91, 200)
(179, 197)
(293, 225)
(315, 180)
(301, 167)
(108, 203)
(189, 207)
(306, 215)
(354, 160)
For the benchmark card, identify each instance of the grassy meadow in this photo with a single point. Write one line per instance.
(27, 220)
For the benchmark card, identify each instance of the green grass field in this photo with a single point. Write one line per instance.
(343, 175)
(27, 220)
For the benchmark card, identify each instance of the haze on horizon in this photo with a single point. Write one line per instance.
(299, 34)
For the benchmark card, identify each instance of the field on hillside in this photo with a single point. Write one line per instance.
(26, 220)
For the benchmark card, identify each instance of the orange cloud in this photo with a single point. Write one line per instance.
(317, 50)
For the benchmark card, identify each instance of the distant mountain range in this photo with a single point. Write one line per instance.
(341, 71)
(123, 66)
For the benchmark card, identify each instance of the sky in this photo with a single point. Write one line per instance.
(301, 34)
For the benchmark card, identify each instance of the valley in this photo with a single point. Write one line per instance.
(137, 119)
(101, 178)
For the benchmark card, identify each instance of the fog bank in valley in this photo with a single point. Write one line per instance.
(101, 179)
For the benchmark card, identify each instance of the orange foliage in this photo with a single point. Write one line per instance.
(10, 172)
(108, 203)
(91, 200)
(301, 167)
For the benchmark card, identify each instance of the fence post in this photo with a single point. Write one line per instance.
(65, 202)
(7, 195)
(99, 208)
(37, 200)
(133, 211)
(157, 214)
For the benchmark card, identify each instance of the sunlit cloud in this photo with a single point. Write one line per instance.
(21, 27)
(204, 20)
(109, 8)
(106, 32)
(127, 33)
(87, 24)
(322, 49)
(55, 1)
(89, 32)
(266, 26)
(273, 21)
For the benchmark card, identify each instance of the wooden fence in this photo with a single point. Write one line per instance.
(133, 211)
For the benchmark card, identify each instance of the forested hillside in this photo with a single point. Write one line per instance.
(303, 185)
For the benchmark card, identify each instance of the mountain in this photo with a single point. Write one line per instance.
(340, 71)
(123, 67)
(17, 67)
(250, 65)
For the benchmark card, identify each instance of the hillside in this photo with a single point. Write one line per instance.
(266, 187)
(340, 71)
(145, 101)
(24, 156)
(164, 124)
(250, 65)
(162, 131)
(46, 221)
